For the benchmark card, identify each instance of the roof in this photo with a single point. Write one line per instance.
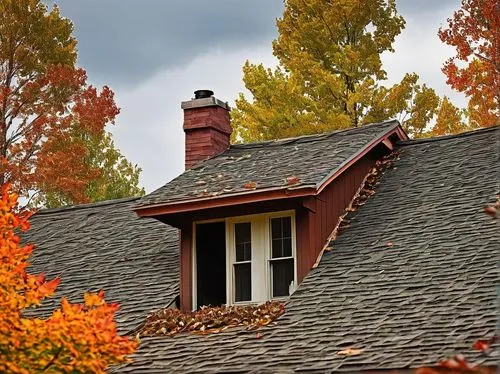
(106, 246)
(426, 297)
(267, 165)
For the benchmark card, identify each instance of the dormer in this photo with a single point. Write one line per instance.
(255, 217)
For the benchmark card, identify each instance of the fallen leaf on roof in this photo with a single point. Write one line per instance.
(481, 345)
(208, 320)
(491, 211)
(484, 345)
(200, 183)
(259, 335)
(291, 180)
(250, 185)
(389, 244)
(457, 362)
(204, 193)
(350, 352)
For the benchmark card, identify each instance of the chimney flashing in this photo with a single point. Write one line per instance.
(204, 102)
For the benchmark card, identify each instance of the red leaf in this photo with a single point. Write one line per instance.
(491, 211)
(291, 180)
(250, 185)
(259, 335)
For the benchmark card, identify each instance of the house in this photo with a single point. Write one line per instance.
(407, 278)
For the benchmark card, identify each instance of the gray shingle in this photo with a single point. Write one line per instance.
(268, 164)
(105, 245)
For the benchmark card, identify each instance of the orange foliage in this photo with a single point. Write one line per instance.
(474, 32)
(77, 337)
(47, 108)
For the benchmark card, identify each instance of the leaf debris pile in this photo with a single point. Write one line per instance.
(210, 319)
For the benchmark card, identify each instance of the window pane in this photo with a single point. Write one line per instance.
(242, 282)
(281, 237)
(276, 231)
(287, 247)
(282, 276)
(277, 248)
(240, 252)
(287, 227)
(242, 232)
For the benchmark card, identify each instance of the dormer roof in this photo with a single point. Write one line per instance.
(268, 170)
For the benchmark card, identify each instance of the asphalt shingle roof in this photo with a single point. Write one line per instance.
(309, 158)
(105, 245)
(426, 297)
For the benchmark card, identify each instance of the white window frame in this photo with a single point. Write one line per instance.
(261, 264)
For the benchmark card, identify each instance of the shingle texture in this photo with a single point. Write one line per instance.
(105, 245)
(426, 297)
(268, 164)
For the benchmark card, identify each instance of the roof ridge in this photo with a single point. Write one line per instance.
(448, 137)
(309, 137)
(88, 205)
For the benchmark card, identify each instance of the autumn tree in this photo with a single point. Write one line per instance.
(450, 119)
(330, 73)
(48, 111)
(474, 70)
(77, 338)
(116, 177)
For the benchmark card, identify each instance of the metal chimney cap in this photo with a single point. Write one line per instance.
(202, 94)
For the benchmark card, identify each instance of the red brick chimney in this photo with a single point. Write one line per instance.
(207, 127)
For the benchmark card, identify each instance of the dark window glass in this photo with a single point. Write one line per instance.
(243, 241)
(277, 248)
(242, 282)
(287, 247)
(276, 228)
(282, 276)
(281, 237)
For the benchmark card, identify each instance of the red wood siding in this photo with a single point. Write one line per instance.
(315, 224)
(316, 218)
(186, 285)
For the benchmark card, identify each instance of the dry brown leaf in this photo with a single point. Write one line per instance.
(291, 180)
(350, 352)
(491, 210)
(250, 185)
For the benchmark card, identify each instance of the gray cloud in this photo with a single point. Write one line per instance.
(122, 42)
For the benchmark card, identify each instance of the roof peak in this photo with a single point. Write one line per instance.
(307, 138)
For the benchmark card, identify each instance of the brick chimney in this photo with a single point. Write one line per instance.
(207, 127)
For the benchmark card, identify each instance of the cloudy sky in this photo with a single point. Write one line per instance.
(155, 53)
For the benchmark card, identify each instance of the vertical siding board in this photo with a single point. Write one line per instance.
(186, 285)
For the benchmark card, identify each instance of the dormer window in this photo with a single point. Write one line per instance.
(254, 254)
(281, 261)
(242, 267)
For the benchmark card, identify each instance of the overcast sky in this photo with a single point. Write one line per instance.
(155, 53)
